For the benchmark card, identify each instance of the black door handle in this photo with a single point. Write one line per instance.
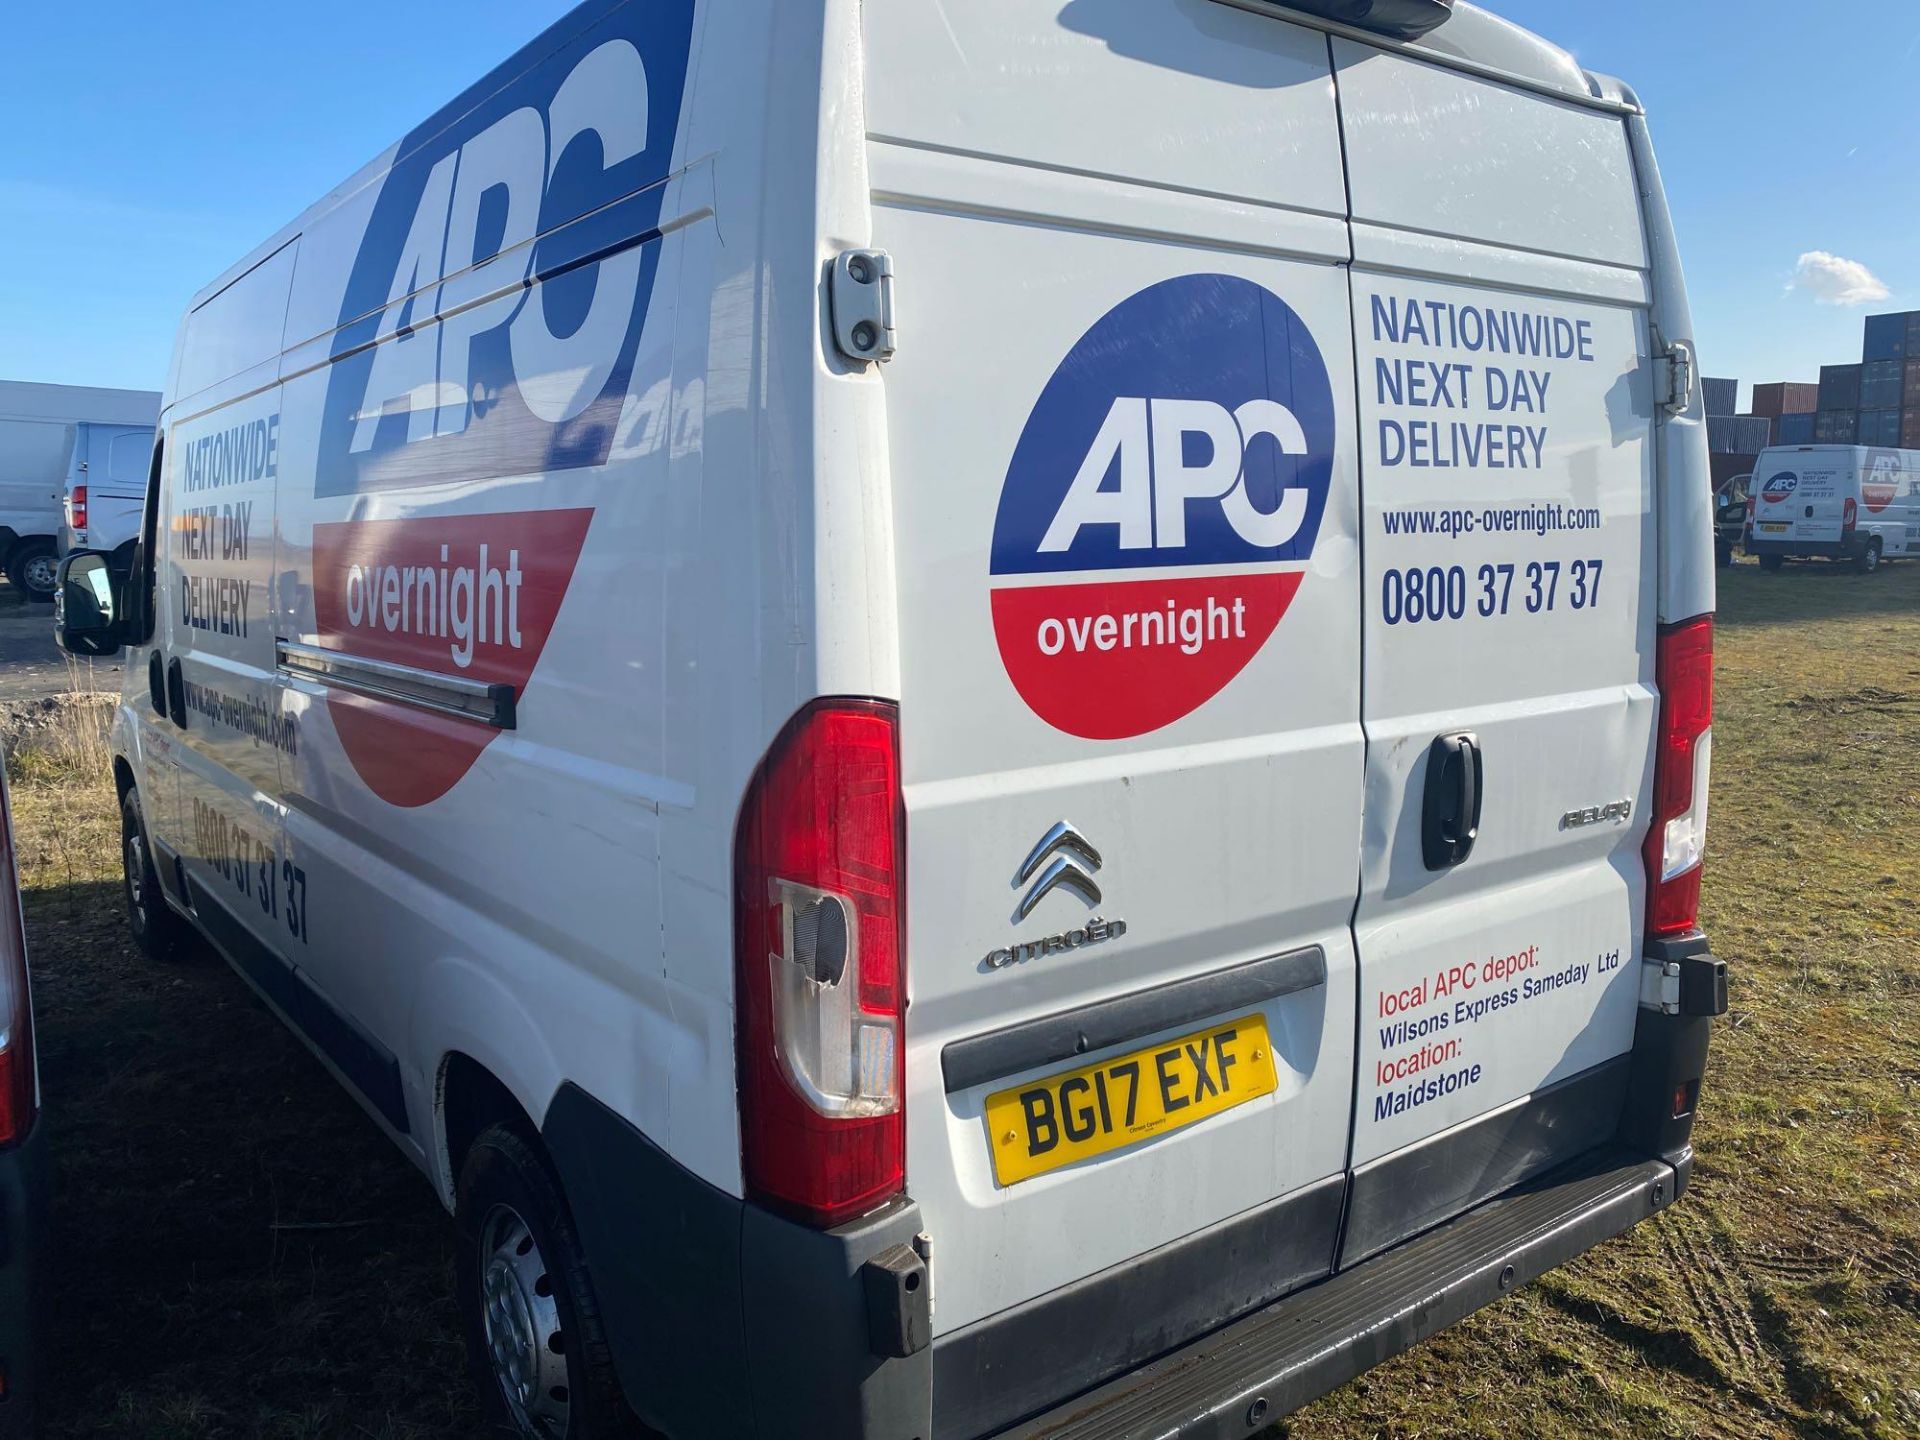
(157, 684)
(176, 693)
(1456, 780)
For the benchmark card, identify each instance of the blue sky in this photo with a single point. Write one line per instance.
(151, 146)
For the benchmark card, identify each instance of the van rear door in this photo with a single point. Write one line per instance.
(1801, 496)
(1123, 505)
(1500, 307)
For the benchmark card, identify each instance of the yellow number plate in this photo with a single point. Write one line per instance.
(1064, 1118)
(1771, 529)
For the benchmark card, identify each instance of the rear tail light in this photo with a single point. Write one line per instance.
(820, 966)
(77, 508)
(1849, 514)
(1676, 845)
(19, 1092)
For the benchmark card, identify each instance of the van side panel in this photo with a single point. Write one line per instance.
(476, 422)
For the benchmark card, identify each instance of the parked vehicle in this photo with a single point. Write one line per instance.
(896, 875)
(1851, 503)
(23, 1158)
(40, 438)
(1730, 506)
(106, 486)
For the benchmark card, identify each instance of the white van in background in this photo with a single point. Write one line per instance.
(1856, 503)
(43, 434)
(106, 487)
(977, 719)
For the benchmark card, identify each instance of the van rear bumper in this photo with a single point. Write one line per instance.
(1847, 547)
(724, 1318)
(1264, 1365)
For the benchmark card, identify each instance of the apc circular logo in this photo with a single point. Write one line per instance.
(1161, 505)
(1881, 485)
(1780, 487)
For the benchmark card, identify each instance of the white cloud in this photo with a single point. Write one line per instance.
(1835, 280)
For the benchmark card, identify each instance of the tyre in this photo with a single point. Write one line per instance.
(33, 566)
(1723, 555)
(157, 928)
(1771, 562)
(534, 1339)
(1868, 560)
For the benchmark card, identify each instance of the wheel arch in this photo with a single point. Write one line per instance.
(488, 1060)
(470, 1099)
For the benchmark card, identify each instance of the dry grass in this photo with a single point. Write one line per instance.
(194, 1144)
(1781, 1298)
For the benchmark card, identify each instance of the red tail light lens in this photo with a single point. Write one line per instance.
(77, 508)
(19, 1092)
(1676, 845)
(820, 966)
(1849, 514)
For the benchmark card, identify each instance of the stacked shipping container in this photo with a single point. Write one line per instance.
(1794, 428)
(1876, 402)
(1785, 398)
(1738, 434)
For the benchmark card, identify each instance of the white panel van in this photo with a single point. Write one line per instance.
(106, 487)
(49, 436)
(1854, 503)
(978, 720)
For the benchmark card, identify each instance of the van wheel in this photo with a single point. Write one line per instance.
(534, 1339)
(1869, 560)
(1771, 562)
(1723, 555)
(33, 568)
(157, 928)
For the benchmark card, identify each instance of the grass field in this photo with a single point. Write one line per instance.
(240, 1254)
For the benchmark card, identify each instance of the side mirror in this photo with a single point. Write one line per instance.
(86, 605)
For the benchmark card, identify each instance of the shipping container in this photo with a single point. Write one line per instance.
(1886, 336)
(1722, 396)
(1738, 434)
(1785, 397)
(1879, 427)
(1913, 334)
(1910, 431)
(1910, 398)
(1836, 427)
(1880, 384)
(1839, 387)
(1795, 428)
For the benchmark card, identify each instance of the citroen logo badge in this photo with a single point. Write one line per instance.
(1064, 859)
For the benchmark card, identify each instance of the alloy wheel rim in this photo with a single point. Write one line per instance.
(521, 1320)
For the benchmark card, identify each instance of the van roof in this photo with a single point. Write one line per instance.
(1472, 39)
(33, 400)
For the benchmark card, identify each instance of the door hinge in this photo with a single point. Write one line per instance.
(860, 295)
(1660, 986)
(1675, 374)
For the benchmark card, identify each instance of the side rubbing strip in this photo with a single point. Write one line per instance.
(490, 704)
(980, 1058)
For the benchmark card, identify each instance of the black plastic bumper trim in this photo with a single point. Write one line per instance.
(1279, 1358)
(1427, 1182)
(1050, 1038)
(723, 1318)
(1021, 1361)
(1850, 548)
